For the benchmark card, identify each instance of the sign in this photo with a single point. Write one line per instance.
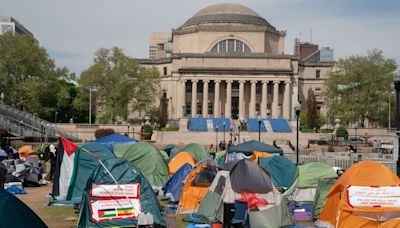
(114, 209)
(107, 191)
(365, 196)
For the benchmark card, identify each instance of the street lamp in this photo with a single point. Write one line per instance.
(239, 128)
(128, 128)
(216, 138)
(142, 131)
(231, 134)
(356, 135)
(297, 110)
(55, 116)
(224, 124)
(397, 87)
(94, 89)
(259, 127)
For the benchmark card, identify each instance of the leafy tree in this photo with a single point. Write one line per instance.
(122, 85)
(359, 88)
(311, 110)
(319, 120)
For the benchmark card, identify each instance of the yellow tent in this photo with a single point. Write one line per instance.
(257, 154)
(24, 151)
(179, 160)
(366, 195)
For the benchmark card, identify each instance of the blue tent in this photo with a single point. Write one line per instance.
(282, 170)
(250, 146)
(115, 138)
(175, 184)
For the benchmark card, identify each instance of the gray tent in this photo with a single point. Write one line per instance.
(251, 146)
(247, 176)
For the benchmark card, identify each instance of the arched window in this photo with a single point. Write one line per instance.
(230, 45)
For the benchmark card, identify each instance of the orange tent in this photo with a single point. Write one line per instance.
(196, 187)
(342, 206)
(24, 151)
(257, 154)
(179, 160)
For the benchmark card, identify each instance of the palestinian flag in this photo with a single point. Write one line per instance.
(128, 211)
(64, 168)
(107, 213)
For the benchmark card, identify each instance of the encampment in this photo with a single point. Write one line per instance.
(109, 204)
(366, 195)
(249, 147)
(179, 160)
(147, 159)
(283, 171)
(196, 150)
(175, 184)
(116, 138)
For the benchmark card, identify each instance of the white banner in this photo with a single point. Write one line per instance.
(114, 209)
(363, 196)
(115, 191)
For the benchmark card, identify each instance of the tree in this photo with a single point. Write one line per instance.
(311, 110)
(359, 87)
(122, 85)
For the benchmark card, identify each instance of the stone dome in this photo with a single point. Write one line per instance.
(227, 13)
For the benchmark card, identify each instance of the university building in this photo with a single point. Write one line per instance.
(228, 61)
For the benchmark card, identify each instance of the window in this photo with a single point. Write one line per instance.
(317, 92)
(210, 108)
(165, 71)
(318, 73)
(230, 46)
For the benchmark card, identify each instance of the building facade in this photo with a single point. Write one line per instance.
(9, 24)
(229, 61)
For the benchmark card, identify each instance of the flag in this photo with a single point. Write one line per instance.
(107, 213)
(125, 211)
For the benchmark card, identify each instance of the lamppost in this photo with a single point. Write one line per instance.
(55, 116)
(397, 87)
(356, 135)
(259, 127)
(224, 124)
(231, 134)
(297, 110)
(142, 131)
(216, 139)
(128, 129)
(239, 128)
(94, 89)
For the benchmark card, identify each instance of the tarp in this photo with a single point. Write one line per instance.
(124, 173)
(147, 159)
(283, 171)
(337, 212)
(175, 184)
(196, 150)
(115, 138)
(179, 160)
(324, 186)
(14, 213)
(247, 176)
(84, 164)
(250, 146)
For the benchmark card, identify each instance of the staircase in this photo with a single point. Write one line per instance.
(24, 125)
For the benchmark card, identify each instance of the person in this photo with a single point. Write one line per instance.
(211, 148)
(51, 151)
(352, 149)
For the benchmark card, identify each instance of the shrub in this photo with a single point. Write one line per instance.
(326, 130)
(342, 132)
(148, 130)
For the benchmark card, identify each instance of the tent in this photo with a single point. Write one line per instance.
(179, 160)
(175, 184)
(283, 171)
(247, 176)
(96, 204)
(85, 161)
(168, 148)
(366, 195)
(196, 150)
(324, 186)
(305, 186)
(196, 186)
(257, 154)
(14, 213)
(270, 211)
(24, 151)
(250, 146)
(147, 159)
(116, 138)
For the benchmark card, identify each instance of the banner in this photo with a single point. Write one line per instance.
(114, 209)
(107, 191)
(364, 196)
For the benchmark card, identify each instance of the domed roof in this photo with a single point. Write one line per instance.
(227, 13)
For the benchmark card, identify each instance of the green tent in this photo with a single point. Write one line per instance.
(84, 164)
(310, 173)
(14, 213)
(147, 159)
(324, 186)
(196, 150)
(250, 146)
(124, 173)
(283, 171)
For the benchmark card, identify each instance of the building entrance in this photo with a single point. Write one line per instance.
(235, 107)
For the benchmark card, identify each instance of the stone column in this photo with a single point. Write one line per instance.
(194, 98)
(286, 100)
(217, 101)
(228, 106)
(252, 111)
(205, 97)
(241, 100)
(275, 100)
(263, 107)
(182, 97)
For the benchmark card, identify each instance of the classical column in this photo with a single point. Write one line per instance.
(241, 100)
(205, 98)
(275, 99)
(286, 100)
(182, 98)
(228, 106)
(263, 107)
(194, 98)
(252, 110)
(217, 101)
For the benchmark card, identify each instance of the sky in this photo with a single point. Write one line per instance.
(72, 30)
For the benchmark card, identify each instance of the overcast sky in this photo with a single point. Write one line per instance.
(72, 30)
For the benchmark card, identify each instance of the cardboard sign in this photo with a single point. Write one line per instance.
(364, 196)
(108, 191)
(114, 209)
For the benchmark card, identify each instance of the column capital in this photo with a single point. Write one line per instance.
(242, 81)
(288, 82)
(206, 81)
(253, 81)
(195, 80)
(264, 82)
(277, 82)
(229, 81)
(183, 80)
(217, 81)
